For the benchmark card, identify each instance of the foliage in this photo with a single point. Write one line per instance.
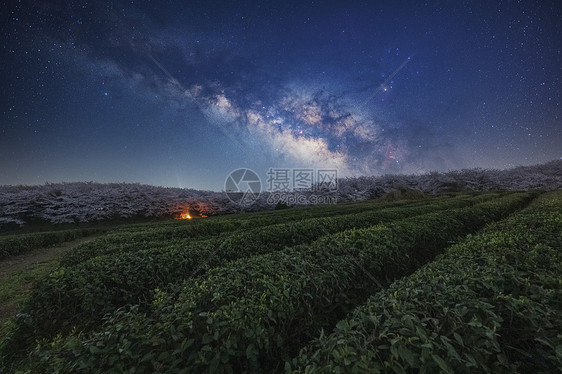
(251, 314)
(80, 295)
(144, 236)
(281, 205)
(17, 244)
(59, 203)
(491, 303)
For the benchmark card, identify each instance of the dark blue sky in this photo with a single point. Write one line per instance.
(180, 93)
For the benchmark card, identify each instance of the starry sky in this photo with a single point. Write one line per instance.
(180, 93)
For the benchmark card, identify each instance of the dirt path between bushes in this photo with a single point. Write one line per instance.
(19, 273)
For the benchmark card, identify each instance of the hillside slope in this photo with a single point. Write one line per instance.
(88, 201)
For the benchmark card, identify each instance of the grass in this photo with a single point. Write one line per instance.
(16, 287)
(248, 292)
(18, 275)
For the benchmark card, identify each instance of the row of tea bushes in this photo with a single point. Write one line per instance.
(491, 303)
(11, 245)
(143, 236)
(79, 296)
(251, 314)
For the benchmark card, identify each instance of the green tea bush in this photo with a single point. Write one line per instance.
(144, 236)
(79, 296)
(11, 245)
(251, 314)
(491, 303)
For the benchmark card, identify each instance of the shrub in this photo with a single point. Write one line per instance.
(251, 314)
(491, 303)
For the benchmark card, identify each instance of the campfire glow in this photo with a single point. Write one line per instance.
(185, 216)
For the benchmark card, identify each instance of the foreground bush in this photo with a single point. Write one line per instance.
(77, 297)
(253, 313)
(492, 303)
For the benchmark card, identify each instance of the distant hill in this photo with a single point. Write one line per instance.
(546, 176)
(88, 201)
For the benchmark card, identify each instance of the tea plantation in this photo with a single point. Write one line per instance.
(463, 283)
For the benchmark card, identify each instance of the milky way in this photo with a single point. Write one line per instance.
(181, 93)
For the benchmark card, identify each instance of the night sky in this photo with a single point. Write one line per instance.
(180, 93)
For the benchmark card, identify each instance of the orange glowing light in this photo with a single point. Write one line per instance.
(185, 216)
